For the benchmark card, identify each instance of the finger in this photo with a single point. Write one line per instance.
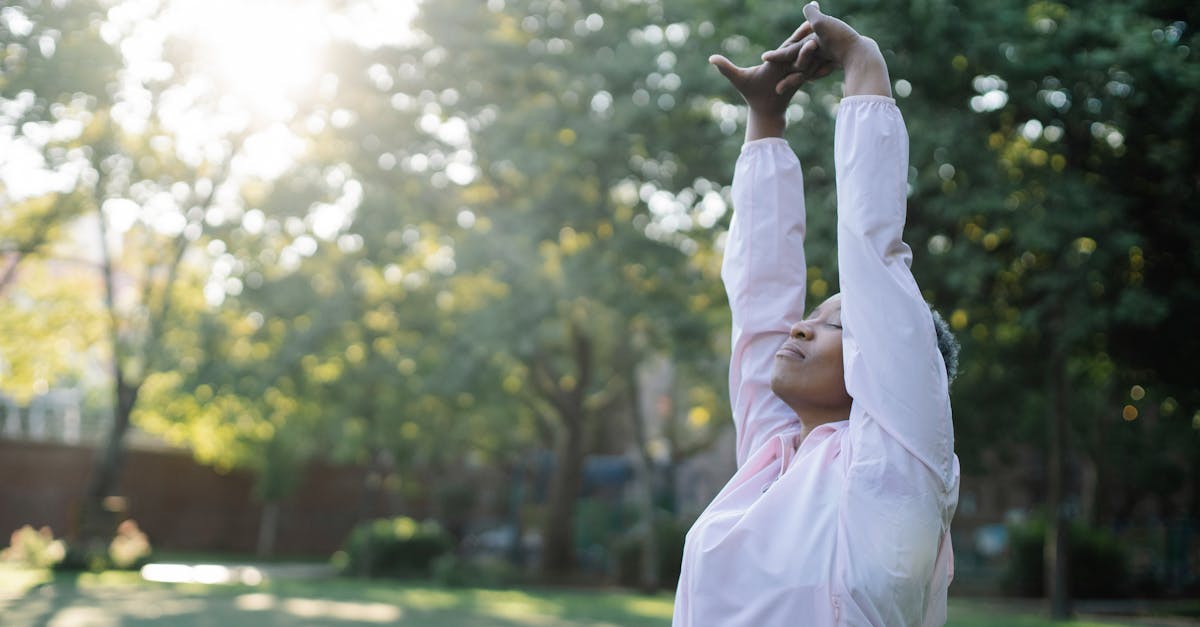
(808, 57)
(790, 82)
(726, 67)
(785, 54)
(812, 13)
(803, 31)
(814, 16)
(825, 69)
(794, 80)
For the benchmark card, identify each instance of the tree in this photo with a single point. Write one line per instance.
(52, 90)
(1048, 236)
(148, 195)
(342, 328)
(55, 70)
(577, 149)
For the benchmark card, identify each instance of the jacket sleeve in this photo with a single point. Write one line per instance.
(892, 365)
(764, 273)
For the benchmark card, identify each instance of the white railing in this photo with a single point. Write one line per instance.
(55, 416)
(58, 417)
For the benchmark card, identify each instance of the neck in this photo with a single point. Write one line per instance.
(812, 417)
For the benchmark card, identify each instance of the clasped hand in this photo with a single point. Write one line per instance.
(821, 44)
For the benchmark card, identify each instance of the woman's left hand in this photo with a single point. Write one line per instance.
(769, 86)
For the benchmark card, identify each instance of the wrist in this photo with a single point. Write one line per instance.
(866, 71)
(862, 54)
(762, 124)
(768, 114)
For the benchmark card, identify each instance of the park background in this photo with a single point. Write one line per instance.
(431, 290)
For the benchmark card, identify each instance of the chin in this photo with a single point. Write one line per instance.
(777, 381)
(783, 387)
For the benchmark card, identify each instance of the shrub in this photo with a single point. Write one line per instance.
(35, 548)
(1098, 563)
(397, 547)
(474, 572)
(670, 534)
(130, 549)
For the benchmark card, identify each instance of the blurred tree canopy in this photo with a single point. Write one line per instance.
(485, 228)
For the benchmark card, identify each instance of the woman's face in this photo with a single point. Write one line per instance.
(808, 372)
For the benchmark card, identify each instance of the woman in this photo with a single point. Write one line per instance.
(839, 512)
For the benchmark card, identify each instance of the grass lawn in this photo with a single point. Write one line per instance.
(29, 598)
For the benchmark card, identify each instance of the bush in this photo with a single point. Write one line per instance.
(34, 548)
(130, 549)
(1098, 563)
(398, 547)
(670, 534)
(475, 572)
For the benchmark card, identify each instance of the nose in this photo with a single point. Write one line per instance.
(801, 331)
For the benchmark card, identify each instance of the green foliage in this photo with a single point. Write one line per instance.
(34, 548)
(396, 547)
(38, 308)
(1099, 564)
(578, 123)
(1039, 153)
(670, 535)
(42, 87)
(474, 572)
(83, 558)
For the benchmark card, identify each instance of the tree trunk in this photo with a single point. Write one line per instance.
(268, 529)
(649, 580)
(648, 577)
(97, 522)
(1057, 554)
(10, 271)
(558, 549)
(367, 502)
(516, 550)
(1089, 482)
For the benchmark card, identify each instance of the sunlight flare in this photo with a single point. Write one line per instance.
(267, 53)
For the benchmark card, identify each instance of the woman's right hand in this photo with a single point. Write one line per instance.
(837, 39)
(838, 45)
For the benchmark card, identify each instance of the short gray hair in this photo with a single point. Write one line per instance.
(947, 344)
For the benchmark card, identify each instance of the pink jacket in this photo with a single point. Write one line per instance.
(851, 527)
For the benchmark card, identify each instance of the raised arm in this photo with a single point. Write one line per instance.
(893, 367)
(892, 364)
(764, 267)
(764, 273)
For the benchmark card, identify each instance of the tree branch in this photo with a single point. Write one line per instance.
(547, 385)
(158, 320)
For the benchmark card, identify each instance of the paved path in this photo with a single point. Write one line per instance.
(250, 574)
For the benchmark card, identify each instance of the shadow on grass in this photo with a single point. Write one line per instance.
(430, 605)
(110, 599)
(39, 599)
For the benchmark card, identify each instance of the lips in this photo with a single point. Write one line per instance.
(789, 351)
